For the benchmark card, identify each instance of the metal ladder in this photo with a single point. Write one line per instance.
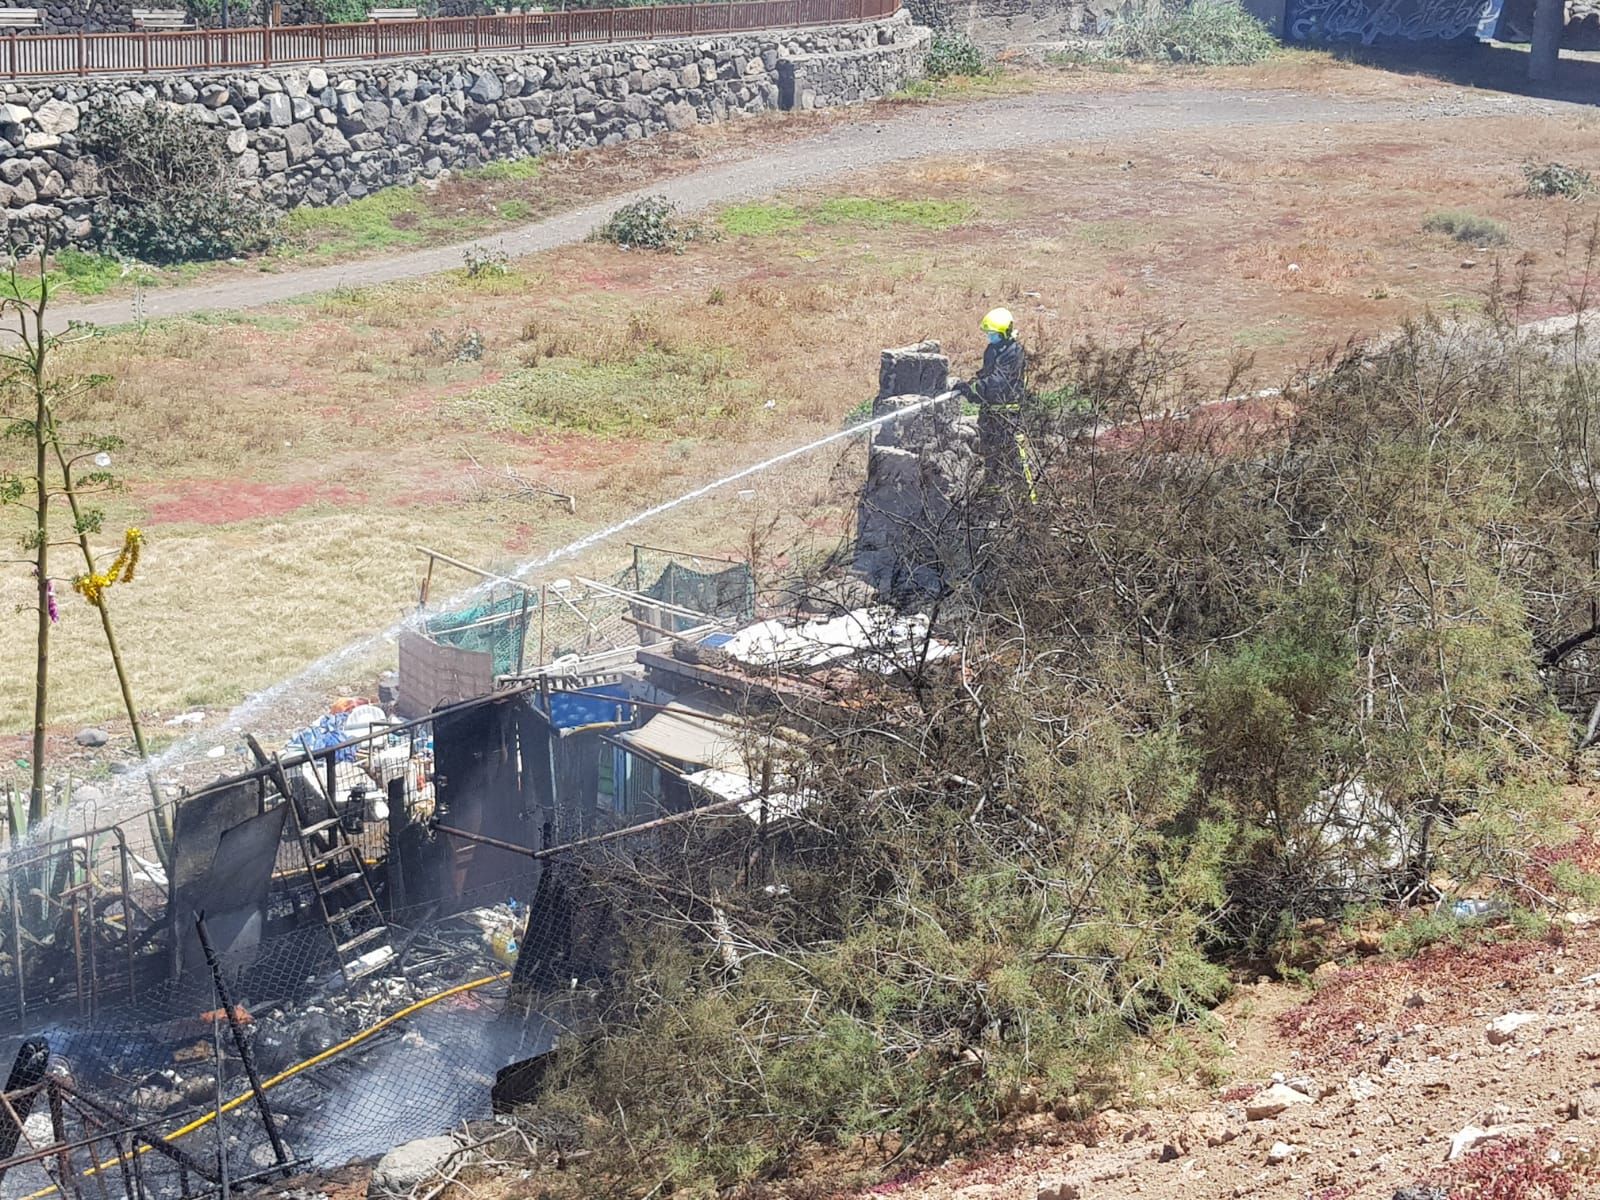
(356, 928)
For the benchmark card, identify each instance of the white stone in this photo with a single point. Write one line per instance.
(15, 114)
(1463, 1142)
(1272, 1101)
(316, 79)
(405, 1166)
(1281, 1152)
(238, 139)
(40, 141)
(56, 117)
(1504, 1029)
(1056, 1189)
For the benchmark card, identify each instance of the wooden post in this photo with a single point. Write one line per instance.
(144, 50)
(544, 607)
(266, 46)
(1549, 18)
(83, 54)
(477, 32)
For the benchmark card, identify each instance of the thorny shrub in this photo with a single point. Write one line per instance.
(1557, 179)
(1271, 661)
(952, 54)
(652, 223)
(1212, 33)
(172, 193)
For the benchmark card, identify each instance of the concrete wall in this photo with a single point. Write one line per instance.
(322, 136)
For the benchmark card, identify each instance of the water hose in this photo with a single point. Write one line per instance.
(354, 1039)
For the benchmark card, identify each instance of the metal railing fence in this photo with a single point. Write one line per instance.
(147, 52)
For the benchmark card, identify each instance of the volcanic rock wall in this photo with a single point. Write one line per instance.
(326, 135)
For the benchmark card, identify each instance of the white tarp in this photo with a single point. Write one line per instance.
(726, 785)
(686, 732)
(880, 638)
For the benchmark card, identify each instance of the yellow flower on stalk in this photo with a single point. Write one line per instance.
(92, 586)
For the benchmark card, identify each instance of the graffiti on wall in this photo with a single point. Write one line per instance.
(1369, 20)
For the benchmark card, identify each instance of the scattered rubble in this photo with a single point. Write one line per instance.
(1272, 1101)
(405, 1166)
(1504, 1029)
(1281, 1153)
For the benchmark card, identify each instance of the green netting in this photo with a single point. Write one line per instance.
(729, 592)
(496, 627)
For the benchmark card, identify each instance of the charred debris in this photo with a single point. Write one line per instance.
(380, 930)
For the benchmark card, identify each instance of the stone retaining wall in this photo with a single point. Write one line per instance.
(807, 81)
(327, 135)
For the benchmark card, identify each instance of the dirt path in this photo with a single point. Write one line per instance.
(1484, 1052)
(918, 132)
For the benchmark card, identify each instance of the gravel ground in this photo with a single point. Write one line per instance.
(914, 132)
(1390, 1066)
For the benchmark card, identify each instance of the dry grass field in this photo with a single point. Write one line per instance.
(284, 463)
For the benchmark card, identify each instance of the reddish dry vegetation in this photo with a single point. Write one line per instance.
(224, 501)
(1530, 1168)
(1342, 1018)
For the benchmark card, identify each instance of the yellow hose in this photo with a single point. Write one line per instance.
(288, 1073)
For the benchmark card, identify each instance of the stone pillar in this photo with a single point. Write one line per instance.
(1549, 18)
(917, 470)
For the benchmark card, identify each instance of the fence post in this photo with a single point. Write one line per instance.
(427, 37)
(611, 24)
(144, 50)
(83, 54)
(13, 56)
(477, 32)
(266, 46)
(651, 9)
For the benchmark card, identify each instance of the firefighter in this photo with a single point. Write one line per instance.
(1000, 395)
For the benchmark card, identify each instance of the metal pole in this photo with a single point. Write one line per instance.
(721, 807)
(240, 1043)
(222, 1129)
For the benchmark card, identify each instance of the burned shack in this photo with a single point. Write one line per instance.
(347, 945)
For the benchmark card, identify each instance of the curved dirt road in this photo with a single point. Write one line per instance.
(1032, 121)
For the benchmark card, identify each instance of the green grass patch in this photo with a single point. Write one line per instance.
(880, 214)
(391, 219)
(992, 81)
(1467, 227)
(81, 273)
(515, 210)
(760, 218)
(769, 218)
(656, 393)
(511, 170)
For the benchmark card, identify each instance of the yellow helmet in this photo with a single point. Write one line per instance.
(998, 320)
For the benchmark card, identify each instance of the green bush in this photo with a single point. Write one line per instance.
(952, 54)
(1466, 227)
(172, 192)
(1211, 33)
(1556, 179)
(344, 12)
(649, 224)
